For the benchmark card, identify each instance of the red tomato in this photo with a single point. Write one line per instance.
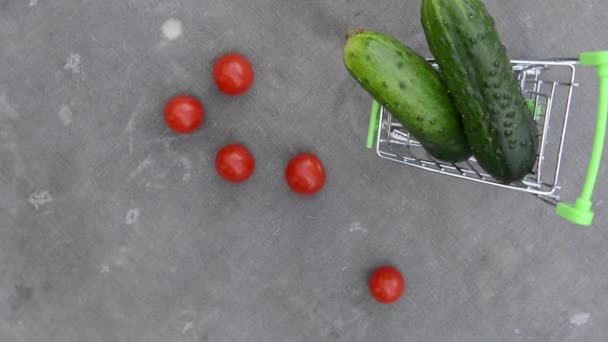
(386, 284)
(184, 113)
(234, 163)
(233, 73)
(305, 174)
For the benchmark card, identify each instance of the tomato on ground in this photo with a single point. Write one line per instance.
(234, 163)
(233, 73)
(386, 284)
(184, 113)
(305, 174)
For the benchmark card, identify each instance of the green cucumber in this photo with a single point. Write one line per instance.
(410, 88)
(476, 68)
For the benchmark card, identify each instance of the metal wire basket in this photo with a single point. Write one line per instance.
(549, 86)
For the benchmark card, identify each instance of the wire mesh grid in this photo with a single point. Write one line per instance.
(548, 86)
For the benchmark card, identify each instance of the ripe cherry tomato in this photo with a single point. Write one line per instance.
(305, 174)
(386, 284)
(234, 163)
(184, 113)
(233, 73)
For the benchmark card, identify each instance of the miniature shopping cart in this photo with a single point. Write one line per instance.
(548, 85)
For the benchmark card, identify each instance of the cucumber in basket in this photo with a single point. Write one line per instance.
(410, 88)
(462, 37)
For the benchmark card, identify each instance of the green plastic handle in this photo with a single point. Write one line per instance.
(373, 124)
(580, 212)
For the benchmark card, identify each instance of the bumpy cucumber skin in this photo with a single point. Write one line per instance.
(476, 68)
(411, 89)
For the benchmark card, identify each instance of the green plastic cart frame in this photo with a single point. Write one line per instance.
(580, 212)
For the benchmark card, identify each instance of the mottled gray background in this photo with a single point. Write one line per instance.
(114, 229)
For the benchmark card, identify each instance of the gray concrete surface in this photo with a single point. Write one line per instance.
(114, 229)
